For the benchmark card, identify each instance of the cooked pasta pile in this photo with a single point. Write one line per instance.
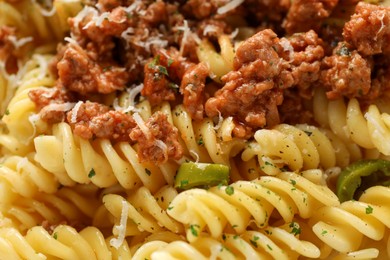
(231, 129)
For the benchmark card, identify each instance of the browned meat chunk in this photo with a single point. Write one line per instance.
(156, 14)
(305, 15)
(7, 49)
(192, 89)
(263, 67)
(346, 73)
(161, 141)
(90, 120)
(369, 29)
(201, 9)
(44, 97)
(79, 73)
(163, 75)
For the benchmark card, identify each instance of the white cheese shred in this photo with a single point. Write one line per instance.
(220, 121)
(75, 111)
(229, 6)
(141, 124)
(160, 144)
(19, 42)
(117, 242)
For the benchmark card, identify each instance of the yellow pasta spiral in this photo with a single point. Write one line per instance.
(63, 243)
(145, 211)
(269, 243)
(343, 227)
(299, 147)
(243, 202)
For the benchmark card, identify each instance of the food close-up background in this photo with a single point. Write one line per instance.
(199, 129)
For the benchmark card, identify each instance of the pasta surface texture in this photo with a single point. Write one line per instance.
(174, 130)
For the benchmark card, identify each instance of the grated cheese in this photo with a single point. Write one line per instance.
(220, 121)
(210, 29)
(186, 32)
(160, 144)
(19, 42)
(194, 155)
(98, 20)
(117, 242)
(286, 45)
(229, 6)
(234, 33)
(132, 94)
(58, 107)
(86, 11)
(141, 124)
(75, 111)
(33, 119)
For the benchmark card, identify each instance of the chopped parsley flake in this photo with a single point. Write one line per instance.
(91, 173)
(194, 230)
(55, 235)
(147, 171)
(369, 210)
(293, 182)
(229, 190)
(200, 141)
(324, 232)
(296, 230)
(170, 61)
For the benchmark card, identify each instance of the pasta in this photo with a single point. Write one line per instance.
(242, 202)
(299, 147)
(75, 206)
(343, 227)
(144, 211)
(20, 118)
(349, 122)
(64, 243)
(272, 242)
(194, 129)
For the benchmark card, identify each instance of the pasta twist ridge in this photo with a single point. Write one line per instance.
(300, 147)
(243, 202)
(270, 243)
(343, 227)
(64, 242)
(145, 211)
(74, 206)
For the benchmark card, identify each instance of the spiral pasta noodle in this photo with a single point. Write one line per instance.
(219, 63)
(20, 113)
(31, 19)
(63, 243)
(25, 177)
(343, 227)
(369, 129)
(145, 211)
(242, 202)
(73, 206)
(270, 243)
(299, 147)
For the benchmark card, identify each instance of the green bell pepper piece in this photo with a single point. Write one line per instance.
(193, 174)
(350, 178)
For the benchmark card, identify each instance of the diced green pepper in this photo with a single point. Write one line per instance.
(350, 178)
(193, 174)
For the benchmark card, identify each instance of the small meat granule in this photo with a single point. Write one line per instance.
(192, 88)
(369, 29)
(346, 73)
(306, 15)
(93, 120)
(162, 142)
(79, 73)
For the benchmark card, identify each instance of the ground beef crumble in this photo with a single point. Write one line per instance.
(346, 73)
(160, 131)
(306, 15)
(94, 120)
(369, 29)
(263, 67)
